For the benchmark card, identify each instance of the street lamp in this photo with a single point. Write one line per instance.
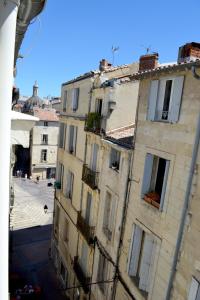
(45, 208)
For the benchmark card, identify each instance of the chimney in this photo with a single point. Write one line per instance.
(188, 52)
(104, 65)
(148, 61)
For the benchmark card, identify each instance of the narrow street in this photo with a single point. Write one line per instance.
(30, 240)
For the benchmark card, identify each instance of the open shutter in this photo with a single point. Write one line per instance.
(147, 256)
(147, 174)
(152, 100)
(111, 219)
(74, 139)
(194, 287)
(71, 184)
(84, 256)
(94, 157)
(65, 101)
(135, 251)
(88, 208)
(107, 208)
(164, 184)
(75, 97)
(175, 102)
(65, 133)
(68, 183)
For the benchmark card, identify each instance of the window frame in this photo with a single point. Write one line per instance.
(43, 142)
(43, 153)
(114, 160)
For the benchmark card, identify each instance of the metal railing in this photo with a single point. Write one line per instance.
(90, 177)
(86, 230)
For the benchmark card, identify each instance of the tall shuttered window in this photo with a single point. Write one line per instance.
(165, 99)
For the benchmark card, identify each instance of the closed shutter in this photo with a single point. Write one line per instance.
(61, 135)
(152, 100)
(164, 184)
(147, 174)
(147, 256)
(175, 102)
(71, 184)
(65, 101)
(135, 251)
(112, 216)
(62, 176)
(75, 138)
(194, 288)
(65, 133)
(94, 157)
(107, 208)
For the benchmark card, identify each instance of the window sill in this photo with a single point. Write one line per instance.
(114, 169)
(151, 199)
(136, 282)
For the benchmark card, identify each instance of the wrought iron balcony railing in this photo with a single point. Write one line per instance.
(86, 230)
(90, 177)
(82, 278)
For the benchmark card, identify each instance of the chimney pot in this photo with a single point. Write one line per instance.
(188, 52)
(148, 61)
(104, 65)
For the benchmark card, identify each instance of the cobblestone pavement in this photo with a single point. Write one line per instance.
(30, 198)
(30, 237)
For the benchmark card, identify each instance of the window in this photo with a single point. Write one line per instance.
(72, 139)
(141, 258)
(109, 214)
(62, 135)
(165, 99)
(155, 180)
(98, 106)
(114, 159)
(194, 292)
(94, 156)
(65, 101)
(102, 272)
(45, 123)
(75, 99)
(44, 139)
(43, 155)
(69, 185)
(56, 222)
(84, 257)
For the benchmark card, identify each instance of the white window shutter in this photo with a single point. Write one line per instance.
(175, 102)
(193, 289)
(94, 157)
(147, 174)
(147, 256)
(88, 208)
(152, 100)
(135, 251)
(164, 184)
(75, 138)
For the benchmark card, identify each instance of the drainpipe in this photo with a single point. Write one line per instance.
(8, 18)
(185, 209)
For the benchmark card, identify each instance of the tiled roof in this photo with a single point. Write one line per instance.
(122, 136)
(166, 68)
(45, 114)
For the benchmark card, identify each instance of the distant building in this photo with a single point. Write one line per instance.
(40, 158)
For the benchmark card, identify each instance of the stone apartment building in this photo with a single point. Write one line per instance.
(159, 259)
(126, 213)
(104, 96)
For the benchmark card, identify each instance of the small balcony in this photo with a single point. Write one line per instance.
(93, 123)
(86, 230)
(82, 278)
(90, 177)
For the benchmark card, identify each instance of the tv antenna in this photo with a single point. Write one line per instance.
(147, 48)
(114, 49)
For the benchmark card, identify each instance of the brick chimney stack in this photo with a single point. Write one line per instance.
(188, 52)
(148, 61)
(104, 65)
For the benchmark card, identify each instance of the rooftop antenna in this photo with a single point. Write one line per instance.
(114, 49)
(147, 48)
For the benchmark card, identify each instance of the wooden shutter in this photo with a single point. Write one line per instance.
(94, 157)
(135, 251)
(88, 208)
(75, 98)
(147, 256)
(107, 208)
(84, 256)
(71, 183)
(175, 102)
(194, 288)
(75, 138)
(111, 219)
(152, 100)
(71, 137)
(65, 101)
(61, 134)
(147, 174)
(65, 132)
(164, 184)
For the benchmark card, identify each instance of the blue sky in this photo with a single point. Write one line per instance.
(73, 36)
